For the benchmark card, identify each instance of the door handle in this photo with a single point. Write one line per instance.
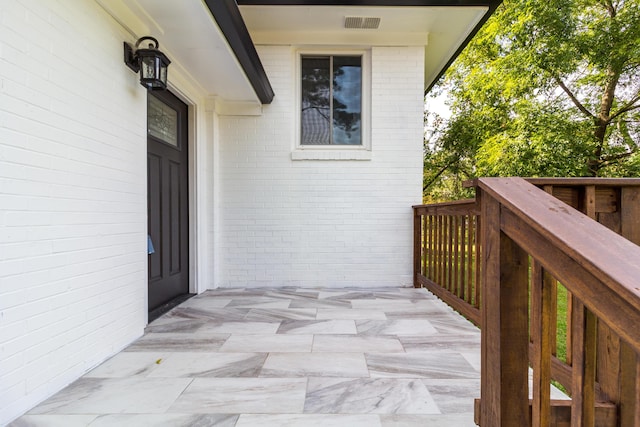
(150, 248)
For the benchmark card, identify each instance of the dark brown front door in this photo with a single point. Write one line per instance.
(168, 204)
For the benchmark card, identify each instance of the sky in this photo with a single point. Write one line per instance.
(437, 105)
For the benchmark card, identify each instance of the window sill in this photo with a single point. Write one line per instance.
(331, 155)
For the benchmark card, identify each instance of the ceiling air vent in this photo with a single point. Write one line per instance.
(361, 22)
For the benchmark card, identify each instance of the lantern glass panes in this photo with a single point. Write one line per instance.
(153, 69)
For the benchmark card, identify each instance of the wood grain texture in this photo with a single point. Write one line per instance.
(417, 252)
(541, 319)
(574, 234)
(598, 268)
(560, 414)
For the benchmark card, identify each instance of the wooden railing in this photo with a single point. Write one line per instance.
(529, 241)
(446, 254)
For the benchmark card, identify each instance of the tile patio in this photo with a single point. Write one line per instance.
(285, 357)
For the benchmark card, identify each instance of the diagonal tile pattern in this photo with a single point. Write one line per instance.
(285, 357)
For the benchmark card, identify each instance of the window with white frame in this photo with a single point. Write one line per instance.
(331, 100)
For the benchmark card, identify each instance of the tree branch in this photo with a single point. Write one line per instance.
(437, 175)
(606, 161)
(629, 106)
(318, 110)
(626, 136)
(575, 100)
(608, 4)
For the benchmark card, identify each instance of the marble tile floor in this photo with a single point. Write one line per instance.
(285, 357)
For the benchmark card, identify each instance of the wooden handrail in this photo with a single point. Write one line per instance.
(446, 253)
(457, 207)
(531, 238)
(570, 182)
(534, 217)
(599, 267)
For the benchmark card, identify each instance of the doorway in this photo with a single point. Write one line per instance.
(167, 200)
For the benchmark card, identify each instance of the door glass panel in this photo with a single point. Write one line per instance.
(162, 121)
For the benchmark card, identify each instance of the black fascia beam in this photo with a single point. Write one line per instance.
(369, 3)
(490, 4)
(229, 20)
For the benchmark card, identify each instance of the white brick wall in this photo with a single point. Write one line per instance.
(73, 264)
(72, 197)
(322, 223)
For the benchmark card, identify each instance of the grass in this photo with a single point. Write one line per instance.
(561, 337)
(561, 332)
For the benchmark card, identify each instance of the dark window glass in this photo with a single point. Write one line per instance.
(331, 100)
(316, 104)
(347, 99)
(162, 121)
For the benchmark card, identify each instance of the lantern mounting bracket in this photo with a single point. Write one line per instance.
(130, 58)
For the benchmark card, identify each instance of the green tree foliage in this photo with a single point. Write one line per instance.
(546, 88)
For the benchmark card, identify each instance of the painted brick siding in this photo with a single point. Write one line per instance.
(322, 223)
(73, 258)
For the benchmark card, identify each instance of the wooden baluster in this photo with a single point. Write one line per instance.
(470, 259)
(433, 238)
(438, 269)
(569, 336)
(462, 261)
(584, 366)
(442, 281)
(505, 338)
(478, 260)
(432, 247)
(443, 260)
(425, 244)
(452, 254)
(541, 334)
(553, 309)
(452, 250)
(455, 261)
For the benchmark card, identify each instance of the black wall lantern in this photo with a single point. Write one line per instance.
(150, 62)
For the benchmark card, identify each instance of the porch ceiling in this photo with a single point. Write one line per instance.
(213, 40)
(199, 43)
(443, 28)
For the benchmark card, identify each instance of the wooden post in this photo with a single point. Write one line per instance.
(417, 253)
(505, 338)
(630, 361)
(630, 213)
